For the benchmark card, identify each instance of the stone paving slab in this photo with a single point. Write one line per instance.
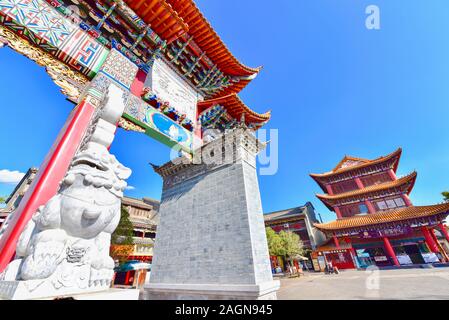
(422, 284)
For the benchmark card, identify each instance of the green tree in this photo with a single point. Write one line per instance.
(292, 245)
(122, 243)
(275, 246)
(284, 244)
(124, 233)
(445, 195)
(2, 200)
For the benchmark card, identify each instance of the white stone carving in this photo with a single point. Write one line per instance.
(64, 249)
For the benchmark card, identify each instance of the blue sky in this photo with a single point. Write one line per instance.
(334, 87)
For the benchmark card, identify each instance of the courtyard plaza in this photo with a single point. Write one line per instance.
(416, 284)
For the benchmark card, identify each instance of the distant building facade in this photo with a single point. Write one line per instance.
(13, 201)
(377, 224)
(144, 215)
(299, 220)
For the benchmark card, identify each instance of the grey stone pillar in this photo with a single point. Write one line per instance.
(211, 242)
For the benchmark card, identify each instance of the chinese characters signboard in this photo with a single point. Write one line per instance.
(387, 232)
(168, 86)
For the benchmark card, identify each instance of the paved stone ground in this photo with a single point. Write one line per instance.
(356, 285)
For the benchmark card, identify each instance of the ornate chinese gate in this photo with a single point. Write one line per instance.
(151, 66)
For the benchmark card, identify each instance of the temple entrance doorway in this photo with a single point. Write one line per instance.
(379, 257)
(414, 253)
(364, 258)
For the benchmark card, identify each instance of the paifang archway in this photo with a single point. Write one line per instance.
(151, 66)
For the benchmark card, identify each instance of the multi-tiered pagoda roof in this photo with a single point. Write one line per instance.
(409, 215)
(350, 166)
(353, 169)
(402, 185)
(377, 224)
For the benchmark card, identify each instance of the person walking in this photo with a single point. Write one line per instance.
(330, 267)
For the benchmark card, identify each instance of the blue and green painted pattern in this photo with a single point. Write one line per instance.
(50, 30)
(157, 125)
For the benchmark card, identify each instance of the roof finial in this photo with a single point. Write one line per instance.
(155, 167)
(242, 123)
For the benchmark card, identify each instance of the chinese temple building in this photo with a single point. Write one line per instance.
(144, 216)
(377, 224)
(299, 220)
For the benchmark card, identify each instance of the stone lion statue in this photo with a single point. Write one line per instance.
(67, 241)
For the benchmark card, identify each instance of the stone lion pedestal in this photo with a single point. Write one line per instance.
(42, 290)
(211, 241)
(64, 248)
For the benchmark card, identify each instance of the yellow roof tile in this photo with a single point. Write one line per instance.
(361, 164)
(384, 217)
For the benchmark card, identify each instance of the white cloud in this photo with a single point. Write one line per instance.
(13, 177)
(130, 188)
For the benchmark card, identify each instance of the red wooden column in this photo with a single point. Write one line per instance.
(353, 252)
(359, 183)
(435, 239)
(331, 193)
(405, 197)
(440, 246)
(337, 244)
(370, 206)
(338, 212)
(368, 203)
(127, 277)
(390, 251)
(434, 236)
(407, 200)
(392, 174)
(50, 174)
(429, 240)
(444, 231)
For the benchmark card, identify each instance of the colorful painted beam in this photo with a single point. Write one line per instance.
(48, 29)
(157, 125)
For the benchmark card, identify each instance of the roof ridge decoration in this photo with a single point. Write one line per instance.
(282, 213)
(365, 162)
(382, 217)
(351, 160)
